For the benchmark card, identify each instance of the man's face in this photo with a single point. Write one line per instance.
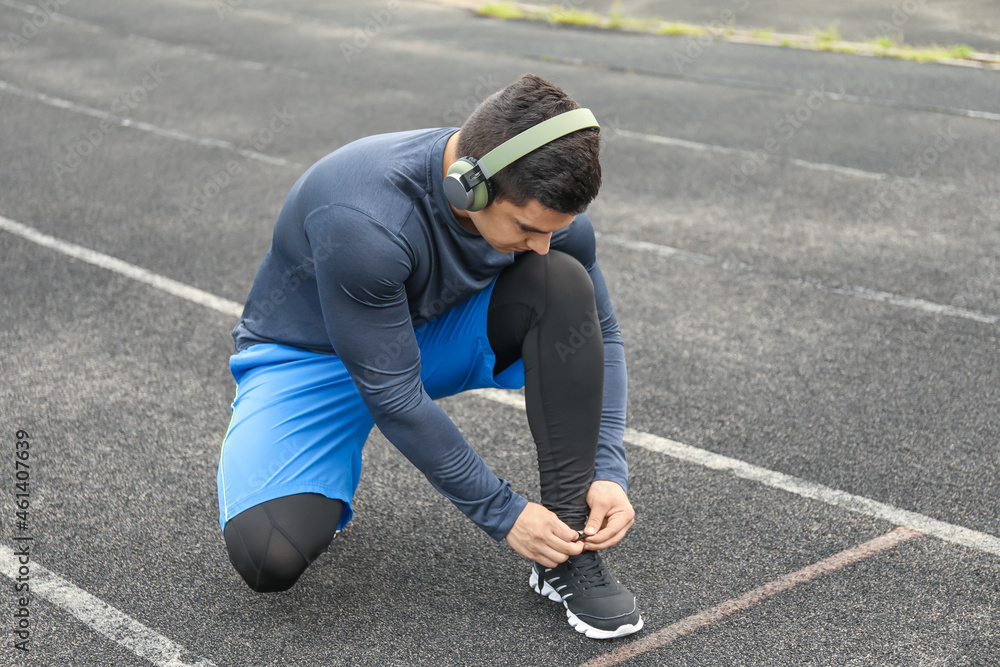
(510, 228)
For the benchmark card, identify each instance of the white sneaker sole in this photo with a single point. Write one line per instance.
(574, 620)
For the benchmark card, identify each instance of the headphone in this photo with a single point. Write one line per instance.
(467, 184)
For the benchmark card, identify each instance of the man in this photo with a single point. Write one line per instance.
(399, 274)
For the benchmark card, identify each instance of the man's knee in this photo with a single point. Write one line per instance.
(268, 569)
(273, 543)
(555, 273)
(568, 275)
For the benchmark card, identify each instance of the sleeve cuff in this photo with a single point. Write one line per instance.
(509, 518)
(609, 476)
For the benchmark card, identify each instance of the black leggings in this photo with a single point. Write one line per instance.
(271, 544)
(542, 310)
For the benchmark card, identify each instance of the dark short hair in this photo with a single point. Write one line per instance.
(563, 175)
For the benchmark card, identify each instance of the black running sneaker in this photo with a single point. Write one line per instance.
(596, 604)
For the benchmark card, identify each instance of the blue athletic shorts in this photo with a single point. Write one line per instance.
(299, 424)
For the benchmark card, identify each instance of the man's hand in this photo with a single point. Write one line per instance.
(611, 515)
(539, 535)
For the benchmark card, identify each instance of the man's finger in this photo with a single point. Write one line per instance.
(612, 533)
(549, 557)
(565, 533)
(598, 515)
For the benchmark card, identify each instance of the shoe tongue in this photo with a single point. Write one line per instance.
(591, 569)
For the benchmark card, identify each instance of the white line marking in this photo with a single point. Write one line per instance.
(662, 250)
(911, 303)
(712, 148)
(132, 271)
(656, 249)
(650, 138)
(98, 614)
(710, 617)
(50, 15)
(757, 86)
(177, 48)
(933, 108)
(865, 293)
(233, 308)
(147, 127)
(949, 532)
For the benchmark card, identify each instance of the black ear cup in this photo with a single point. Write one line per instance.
(456, 186)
